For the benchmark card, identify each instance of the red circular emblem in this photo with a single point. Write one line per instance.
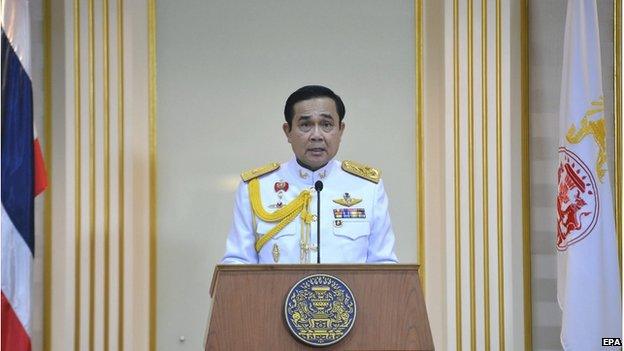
(577, 200)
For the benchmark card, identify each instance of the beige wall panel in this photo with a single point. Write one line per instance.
(435, 152)
(36, 77)
(61, 282)
(137, 195)
(479, 92)
(97, 299)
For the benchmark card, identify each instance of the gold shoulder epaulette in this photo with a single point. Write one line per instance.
(362, 171)
(260, 171)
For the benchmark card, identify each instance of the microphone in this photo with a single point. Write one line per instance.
(318, 186)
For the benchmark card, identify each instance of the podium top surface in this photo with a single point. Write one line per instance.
(307, 268)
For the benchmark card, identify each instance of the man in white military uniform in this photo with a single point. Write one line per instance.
(275, 211)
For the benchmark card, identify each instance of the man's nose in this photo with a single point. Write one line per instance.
(316, 133)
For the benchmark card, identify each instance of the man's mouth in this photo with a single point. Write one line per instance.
(316, 150)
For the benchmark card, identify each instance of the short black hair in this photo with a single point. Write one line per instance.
(310, 92)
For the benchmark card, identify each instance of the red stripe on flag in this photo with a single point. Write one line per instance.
(14, 337)
(41, 177)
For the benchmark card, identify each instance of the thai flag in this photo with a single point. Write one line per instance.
(23, 176)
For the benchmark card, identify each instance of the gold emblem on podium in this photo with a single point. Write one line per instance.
(320, 310)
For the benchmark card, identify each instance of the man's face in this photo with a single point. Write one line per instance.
(316, 131)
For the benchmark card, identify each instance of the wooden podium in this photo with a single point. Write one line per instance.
(248, 307)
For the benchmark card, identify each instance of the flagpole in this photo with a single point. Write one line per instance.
(618, 131)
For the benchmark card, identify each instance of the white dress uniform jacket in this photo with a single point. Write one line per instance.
(358, 233)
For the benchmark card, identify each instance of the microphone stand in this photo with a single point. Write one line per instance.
(318, 186)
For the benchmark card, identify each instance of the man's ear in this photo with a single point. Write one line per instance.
(286, 128)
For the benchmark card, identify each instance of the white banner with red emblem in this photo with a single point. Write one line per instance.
(588, 282)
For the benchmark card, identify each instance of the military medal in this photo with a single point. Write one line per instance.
(341, 213)
(281, 185)
(276, 253)
(280, 188)
(347, 200)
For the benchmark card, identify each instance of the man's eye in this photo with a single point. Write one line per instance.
(305, 126)
(327, 126)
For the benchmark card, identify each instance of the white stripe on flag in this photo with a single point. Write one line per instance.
(16, 270)
(16, 26)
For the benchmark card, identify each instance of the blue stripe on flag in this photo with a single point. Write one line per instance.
(17, 144)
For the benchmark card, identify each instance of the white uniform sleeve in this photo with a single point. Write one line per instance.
(240, 245)
(381, 242)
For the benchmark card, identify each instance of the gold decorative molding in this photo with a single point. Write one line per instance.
(617, 121)
(106, 204)
(485, 176)
(456, 175)
(47, 204)
(151, 43)
(499, 181)
(91, 96)
(420, 141)
(121, 169)
(471, 181)
(526, 175)
(77, 173)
